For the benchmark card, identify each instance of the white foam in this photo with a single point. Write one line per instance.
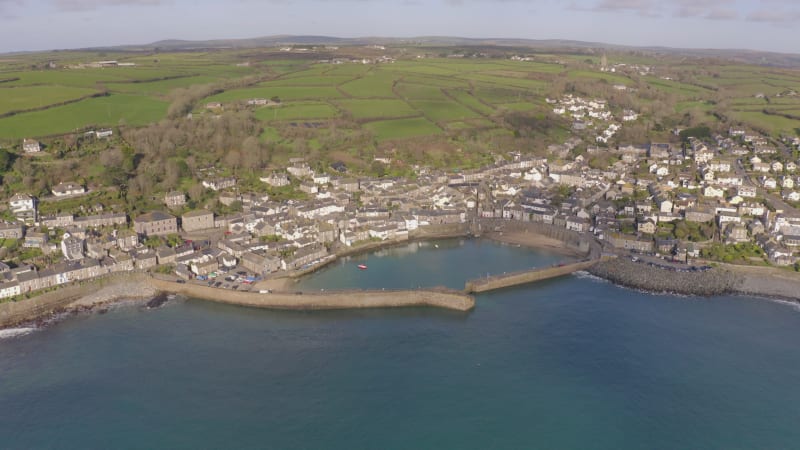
(584, 275)
(15, 332)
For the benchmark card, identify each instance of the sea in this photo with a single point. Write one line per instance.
(570, 363)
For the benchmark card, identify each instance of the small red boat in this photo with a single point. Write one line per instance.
(362, 267)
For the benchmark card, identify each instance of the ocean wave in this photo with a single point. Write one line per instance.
(584, 275)
(15, 332)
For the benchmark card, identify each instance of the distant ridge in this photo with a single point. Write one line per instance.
(736, 55)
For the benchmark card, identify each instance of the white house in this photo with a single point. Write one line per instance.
(711, 191)
(69, 188)
(23, 206)
(31, 146)
(747, 191)
(769, 182)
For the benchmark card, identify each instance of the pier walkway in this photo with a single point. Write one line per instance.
(525, 276)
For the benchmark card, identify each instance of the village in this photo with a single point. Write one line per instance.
(679, 202)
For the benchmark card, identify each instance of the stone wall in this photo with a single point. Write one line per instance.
(525, 277)
(329, 300)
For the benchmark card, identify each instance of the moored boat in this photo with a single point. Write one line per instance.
(362, 267)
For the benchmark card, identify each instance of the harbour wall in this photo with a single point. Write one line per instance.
(330, 300)
(525, 277)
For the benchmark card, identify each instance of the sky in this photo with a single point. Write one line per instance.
(772, 25)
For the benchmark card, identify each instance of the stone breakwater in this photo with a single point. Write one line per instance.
(525, 277)
(330, 300)
(638, 275)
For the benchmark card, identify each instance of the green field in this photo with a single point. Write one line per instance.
(424, 92)
(444, 111)
(295, 111)
(285, 93)
(372, 84)
(26, 98)
(95, 112)
(377, 108)
(772, 123)
(419, 92)
(466, 99)
(159, 87)
(402, 128)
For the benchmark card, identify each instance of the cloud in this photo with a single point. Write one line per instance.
(707, 9)
(774, 16)
(83, 5)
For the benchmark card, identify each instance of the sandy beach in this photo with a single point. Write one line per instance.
(532, 240)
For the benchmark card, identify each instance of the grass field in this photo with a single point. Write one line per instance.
(419, 92)
(421, 95)
(285, 93)
(102, 111)
(372, 84)
(295, 111)
(377, 108)
(160, 87)
(402, 128)
(466, 99)
(444, 111)
(772, 123)
(30, 97)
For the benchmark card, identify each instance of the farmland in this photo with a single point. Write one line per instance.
(372, 106)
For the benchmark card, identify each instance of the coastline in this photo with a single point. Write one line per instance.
(767, 282)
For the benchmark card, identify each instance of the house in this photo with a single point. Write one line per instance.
(711, 191)
(104, 133)
(664, 204)
(35, 239)
(155, 223)
(698, 215)
(260, 263)
(72, 247)
(144, 258)
(197, 220)
(165, 255)
(643, 245)
(578, 224)
(174, 199)
(10, 231)
(747, 191)
(321, 178)
(647, 226)
(23, 206)
(218, 184)
(276, 179)
(101, 220)
(769, 183)
(304, 256)
(69, 188)
(736, 233)
(787, 182)
(309, 188)
(31, 146)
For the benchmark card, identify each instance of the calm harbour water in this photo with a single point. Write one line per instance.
(572, 363)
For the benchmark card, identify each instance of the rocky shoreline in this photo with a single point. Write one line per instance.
(98, 301)
(637, 275)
